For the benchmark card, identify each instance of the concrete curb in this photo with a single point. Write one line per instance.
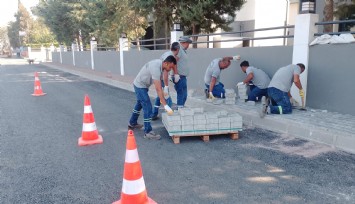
(282, 124)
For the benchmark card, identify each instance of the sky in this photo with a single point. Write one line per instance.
(9, 7)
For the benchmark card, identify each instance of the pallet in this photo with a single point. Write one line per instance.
(205, 138)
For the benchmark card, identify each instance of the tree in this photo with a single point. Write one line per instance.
(40, 34)
(346, 11)
(328, 15)
(4, 40)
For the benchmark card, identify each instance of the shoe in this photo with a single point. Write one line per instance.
(152, 135)
(136, 126)
(155, 117)
(207, 94)
(265, 104)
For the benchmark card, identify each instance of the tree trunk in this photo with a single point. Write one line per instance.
(166, 33)
(328, 15)
(194, 38)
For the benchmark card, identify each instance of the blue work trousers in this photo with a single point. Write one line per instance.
(181, 91)
(218, 90)
(280, 101)
(256, 93)
(157, 102)
(143, 101)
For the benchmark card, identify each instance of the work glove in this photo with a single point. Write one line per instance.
(240, 83)
(176, 78)
(301, 93)
(237, 57)
(210, 96)
(168, 110)
(166, 92)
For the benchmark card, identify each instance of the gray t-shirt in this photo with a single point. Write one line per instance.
(182, 63)
(213, 70)
(260, 79)
(283, 78)
(166, 54)
(150, 71)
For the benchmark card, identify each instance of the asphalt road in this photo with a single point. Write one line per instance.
(40, 161)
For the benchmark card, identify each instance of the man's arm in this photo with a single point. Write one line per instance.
(159, 91)
(249, 77)
(297, 81)
(166, 78)
(213, 82)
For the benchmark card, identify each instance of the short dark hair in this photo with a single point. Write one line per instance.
(302, 66)
(244, 64)
(170, 59)
(175, 46)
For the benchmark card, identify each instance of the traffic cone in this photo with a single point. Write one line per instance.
(37, 88)
(89, 135)
(133, 187)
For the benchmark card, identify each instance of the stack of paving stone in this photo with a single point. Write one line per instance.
(195, 121)
(242, 92)
(230, 97)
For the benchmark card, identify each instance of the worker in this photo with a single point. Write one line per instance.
(215, 88)
(180, 79)
(150, 73)
(260, 81)
(278, 101)
(174, 49)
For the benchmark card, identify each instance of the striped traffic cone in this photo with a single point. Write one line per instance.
(133, 187)
(37, 87)
(89, 135)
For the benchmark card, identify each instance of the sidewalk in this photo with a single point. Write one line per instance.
(333, 129)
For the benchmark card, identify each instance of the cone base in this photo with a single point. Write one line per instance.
(82, 142)
(150, 201)
(42, 94)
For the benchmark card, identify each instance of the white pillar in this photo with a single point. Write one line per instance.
(175, 35)
(73, 49)
(93, 47)
(305, 29)
(61, 49)
(29, 52)
(123, 43)
(43, 53)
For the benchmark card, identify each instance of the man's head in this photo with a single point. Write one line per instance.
(302, 67)
(185, 42)
(224, 63)
(175, 48)
(169, 63)
(244, 65)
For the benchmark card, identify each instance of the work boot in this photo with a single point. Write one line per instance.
(155, 117)
(152, 135)
(207, 94)
(136, 126)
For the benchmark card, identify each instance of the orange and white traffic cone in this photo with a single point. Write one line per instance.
(89, 135)
(133, 187)
(37, 88)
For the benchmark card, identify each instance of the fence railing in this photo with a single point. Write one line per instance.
(334, 22)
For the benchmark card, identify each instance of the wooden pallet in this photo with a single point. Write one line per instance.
(205, 138)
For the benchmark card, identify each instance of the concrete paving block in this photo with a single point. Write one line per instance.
(209, 100)
(228, 91)
(185, 111)
(173, 118)
(212, 126)
(174, 128)
(200, 122)
(224, 119)
(237, 124)
(230, 95)
(169, 123)
(218, 101)
(222, 113)
(243, 97)
(198, 110)
(199, 117)
(199, 127)
(210, 115)
(187, 117)
(224, 126)
(230, 102)
(235, 117)
(212, 120)
(251, 103)
(187, 122)
(187, 128)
